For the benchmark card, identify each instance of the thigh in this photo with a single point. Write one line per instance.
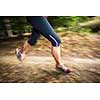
(41, 24)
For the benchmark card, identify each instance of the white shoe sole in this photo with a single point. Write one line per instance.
(18, 54)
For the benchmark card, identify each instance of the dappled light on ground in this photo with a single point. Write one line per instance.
(35, 70)
(80, 53)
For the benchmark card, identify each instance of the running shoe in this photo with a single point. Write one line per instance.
(64, 69)
(19, 55)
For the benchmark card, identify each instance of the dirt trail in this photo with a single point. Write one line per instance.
(42, 69)
(80, 53)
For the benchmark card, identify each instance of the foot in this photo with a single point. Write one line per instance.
(19, 55)
(63, 69)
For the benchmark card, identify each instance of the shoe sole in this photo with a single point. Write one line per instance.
(17, 54)
(61, 71)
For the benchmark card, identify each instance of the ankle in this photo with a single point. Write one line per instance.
(59, 65)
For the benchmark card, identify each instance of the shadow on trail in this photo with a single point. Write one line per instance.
(49, 76)
(23, 74)
(17, 74)
(81, 76)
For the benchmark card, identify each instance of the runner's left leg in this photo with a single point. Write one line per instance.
(21, 52)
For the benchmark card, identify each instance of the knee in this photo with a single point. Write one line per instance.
(31, 42)
(59, 41)
(55, 41)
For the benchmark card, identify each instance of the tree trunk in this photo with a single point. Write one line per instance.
(8, 27)
(93, 23)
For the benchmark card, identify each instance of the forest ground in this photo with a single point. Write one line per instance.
(81, 53)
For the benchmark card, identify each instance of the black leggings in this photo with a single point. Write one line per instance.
(41, 26)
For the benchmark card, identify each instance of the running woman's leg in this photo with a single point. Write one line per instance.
(42, 25)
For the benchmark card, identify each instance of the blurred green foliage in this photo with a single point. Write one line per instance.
(19, 24)
(69, 23)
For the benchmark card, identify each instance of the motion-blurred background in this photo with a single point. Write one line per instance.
(18, 25)
(80, 48)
